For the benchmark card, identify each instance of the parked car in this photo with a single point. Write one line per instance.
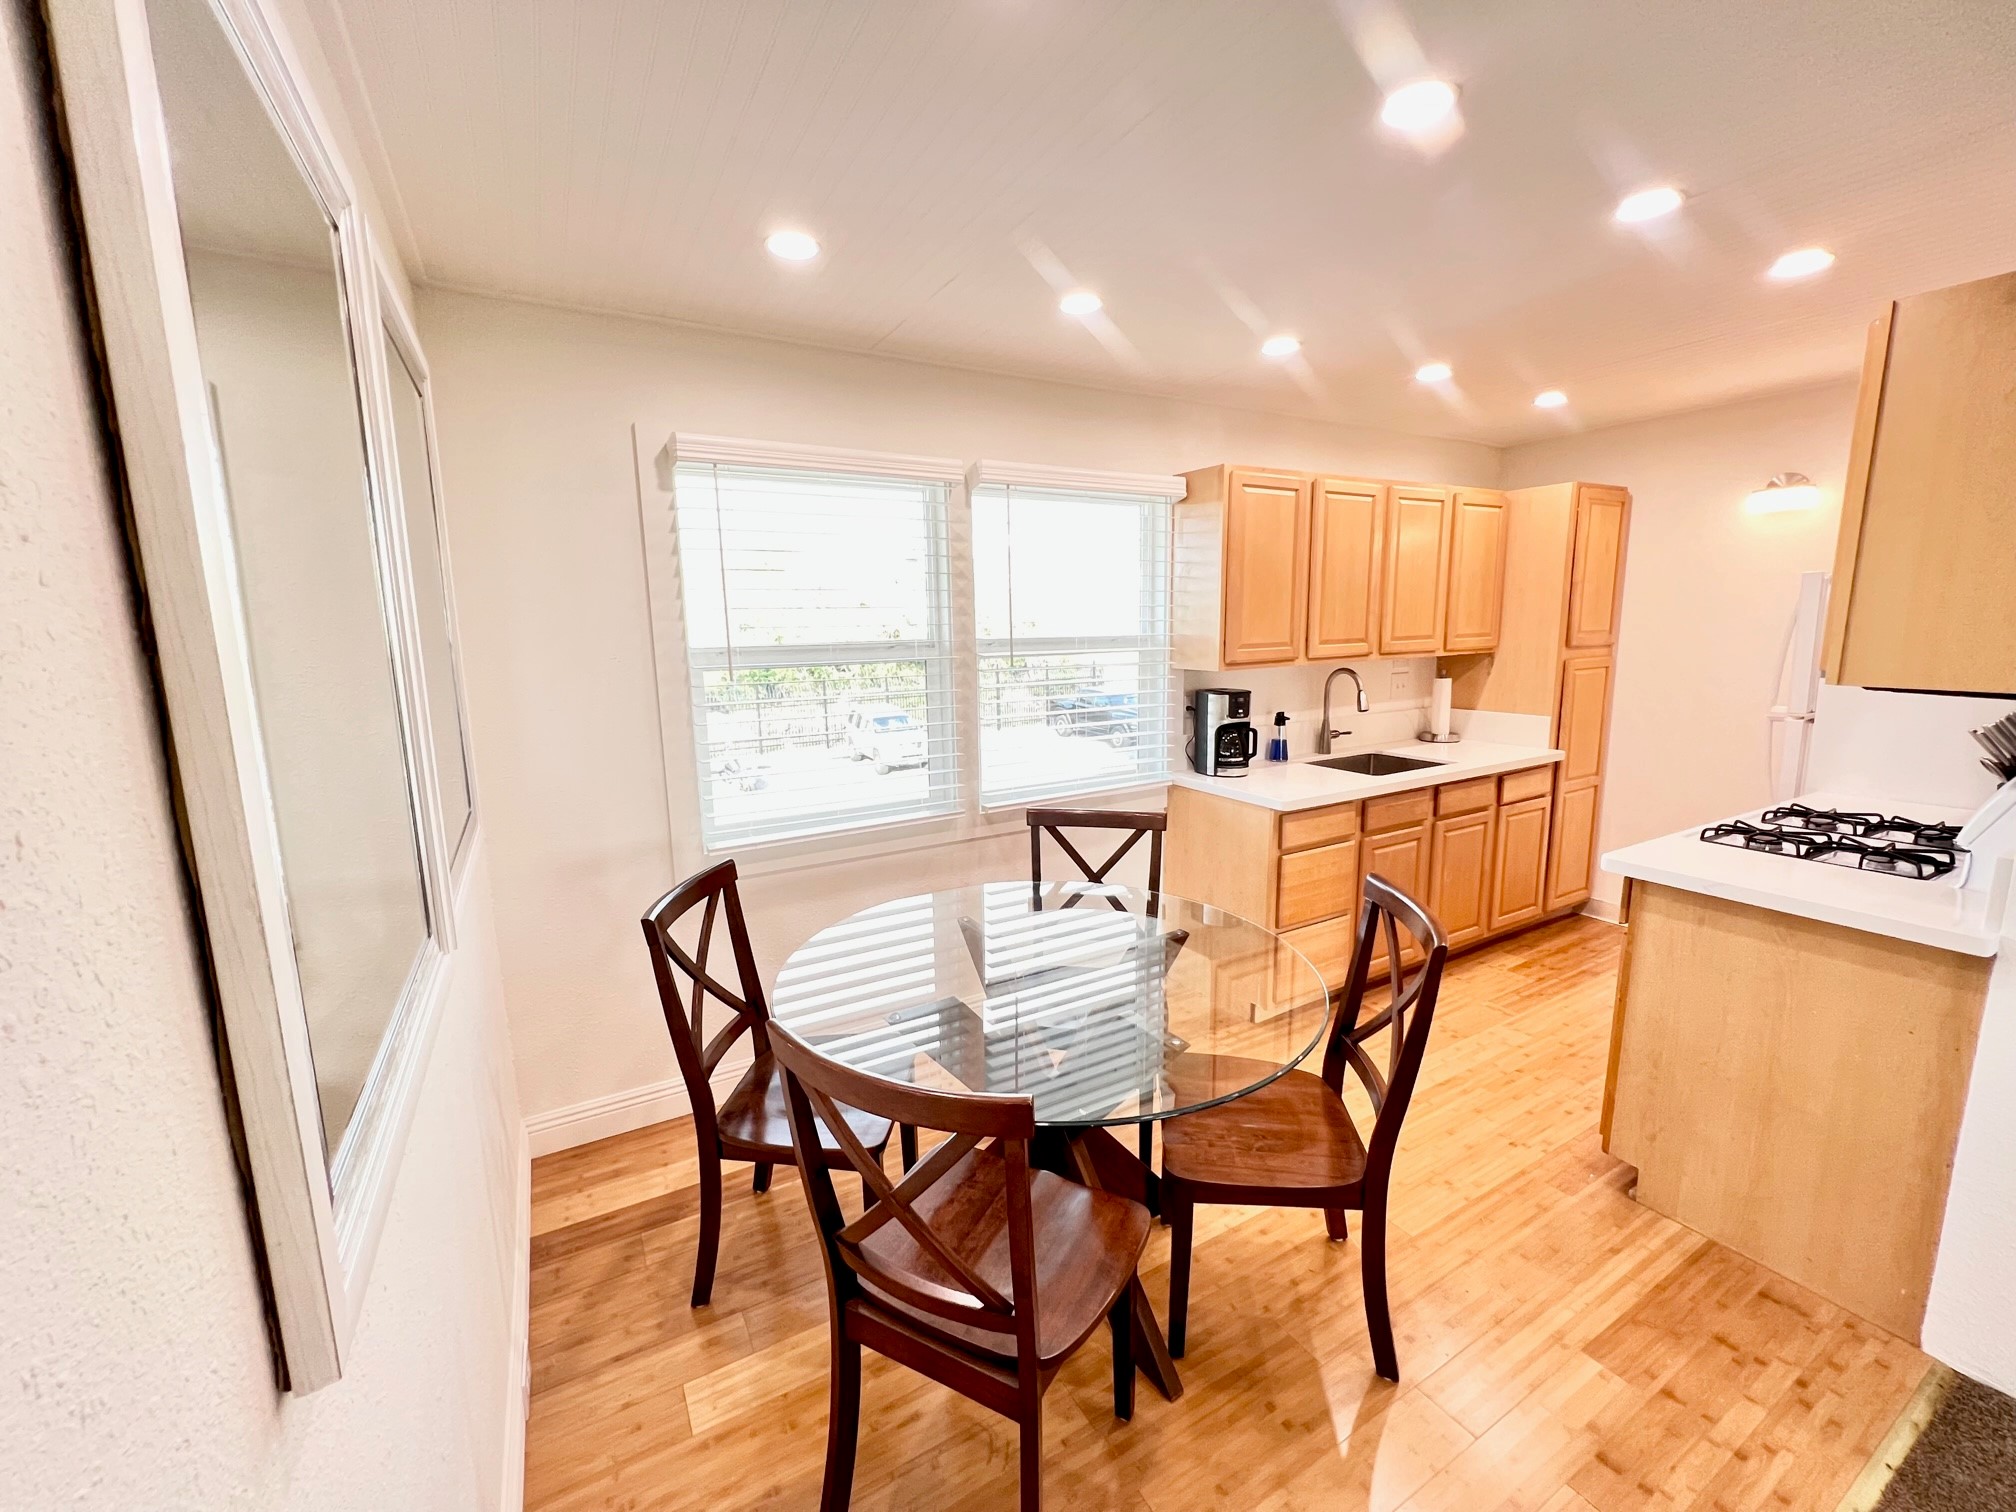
(885, 735)
(1094, 712)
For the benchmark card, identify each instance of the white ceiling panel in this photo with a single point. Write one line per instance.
(1213, 168)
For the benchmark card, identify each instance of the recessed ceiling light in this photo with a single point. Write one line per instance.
(1549, 399)
(1079, 302)
(1280, 346)
(1802, 264)
(792, 246)
(1420, 106)
(1648, 204)
(1432, 372)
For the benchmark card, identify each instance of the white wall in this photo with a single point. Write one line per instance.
(535, 410)
(1709, 592)
(136, 1371)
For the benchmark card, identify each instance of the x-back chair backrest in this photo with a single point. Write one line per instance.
(1407, 1016)
(715, 893)
(945, 1285)
(1054, 821)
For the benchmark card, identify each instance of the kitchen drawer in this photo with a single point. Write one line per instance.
(1316, 884)
(1324, 826)
(1467, 797)
(1398, 810)
(1535, 782)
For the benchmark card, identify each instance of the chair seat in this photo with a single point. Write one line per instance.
(1293, 1134)
(1087, 1246)
(754, 1117)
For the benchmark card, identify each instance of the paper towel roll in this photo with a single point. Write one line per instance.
(1438, 708)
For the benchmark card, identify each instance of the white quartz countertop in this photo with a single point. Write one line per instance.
(1936, 912)
(1286, 786)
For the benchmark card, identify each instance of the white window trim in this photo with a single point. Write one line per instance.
(319, 1218)
(973, 820)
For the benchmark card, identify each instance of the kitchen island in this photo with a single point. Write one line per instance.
(1790, 1054)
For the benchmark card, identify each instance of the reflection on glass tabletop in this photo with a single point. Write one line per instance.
(1108, 1005)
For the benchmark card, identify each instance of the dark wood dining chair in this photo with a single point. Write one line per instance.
(1150, 822)
(750, 1123)
(1293, 1144)
(1139, 822)
(973, 1270)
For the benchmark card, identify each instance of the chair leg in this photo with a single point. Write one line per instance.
(760, 1183)
(1181, 1213)
(908, 1136)
(1032, 1458)
(1338, 1221)
(1372, 1261)
(710, 1228)
(1148, 1167)
(843, 1424)
(1120, 1322)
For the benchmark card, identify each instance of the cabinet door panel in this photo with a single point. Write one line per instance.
(1519, 867)
(1316, 884)
(1344, 519)
(1413, 582)
(1266, 592)
(1478, 530)
(1401, 857)
(1584, 711)
(1593, 595)
(1460, 872)
(1571, 850)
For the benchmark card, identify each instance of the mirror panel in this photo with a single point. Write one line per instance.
(430, 594)
(264, 282)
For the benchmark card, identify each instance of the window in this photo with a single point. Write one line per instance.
(1071, 603)
(818, 640)
(864, 641)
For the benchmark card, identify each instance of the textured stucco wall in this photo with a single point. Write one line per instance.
(134, 1369)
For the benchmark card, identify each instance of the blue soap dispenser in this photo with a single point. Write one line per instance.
(1277, 748)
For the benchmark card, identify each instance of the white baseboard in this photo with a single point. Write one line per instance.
(1601, 908)
(518, 1374)
(620, 1112)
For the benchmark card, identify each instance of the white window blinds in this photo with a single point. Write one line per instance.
(817, 614)
(1071, 602)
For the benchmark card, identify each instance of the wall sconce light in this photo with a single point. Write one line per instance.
(1787, 490)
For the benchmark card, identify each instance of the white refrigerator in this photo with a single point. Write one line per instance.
(1798, 690)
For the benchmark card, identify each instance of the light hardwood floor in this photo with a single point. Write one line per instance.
(1563, 1348)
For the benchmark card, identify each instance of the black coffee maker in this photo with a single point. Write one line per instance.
(1224, 741)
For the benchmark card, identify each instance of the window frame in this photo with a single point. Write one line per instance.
(672, 656)
(319, 1213)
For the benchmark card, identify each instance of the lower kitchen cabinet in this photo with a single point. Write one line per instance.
(1571, 848)
(1519, 868)
(1459, 873)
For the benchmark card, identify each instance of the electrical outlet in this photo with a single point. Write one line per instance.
(1401, 684)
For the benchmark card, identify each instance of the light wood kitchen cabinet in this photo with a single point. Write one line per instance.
(1400, 855)
(1583, 720)
(1571, 849)
(1479, 530)
(1459, 873)
(1414, 582)
(1519, 863)
(1316, 884)
(1925, 568)
(1345, 517)
(1241, 550)
(1595, 588)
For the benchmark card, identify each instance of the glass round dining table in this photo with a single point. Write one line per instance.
(1105, 1005)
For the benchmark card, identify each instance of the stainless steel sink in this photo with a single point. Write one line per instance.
(1376, 764)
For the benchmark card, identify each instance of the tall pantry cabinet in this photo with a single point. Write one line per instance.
(1555, 658)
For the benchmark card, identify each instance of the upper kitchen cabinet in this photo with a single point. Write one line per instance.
(1345, 518)
(1241, 554)
(1479, 530)
(1274, 567)
(1415, 588)
(1925, 571)
(1595, 583)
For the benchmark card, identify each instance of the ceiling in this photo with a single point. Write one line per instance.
(1214, 169)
